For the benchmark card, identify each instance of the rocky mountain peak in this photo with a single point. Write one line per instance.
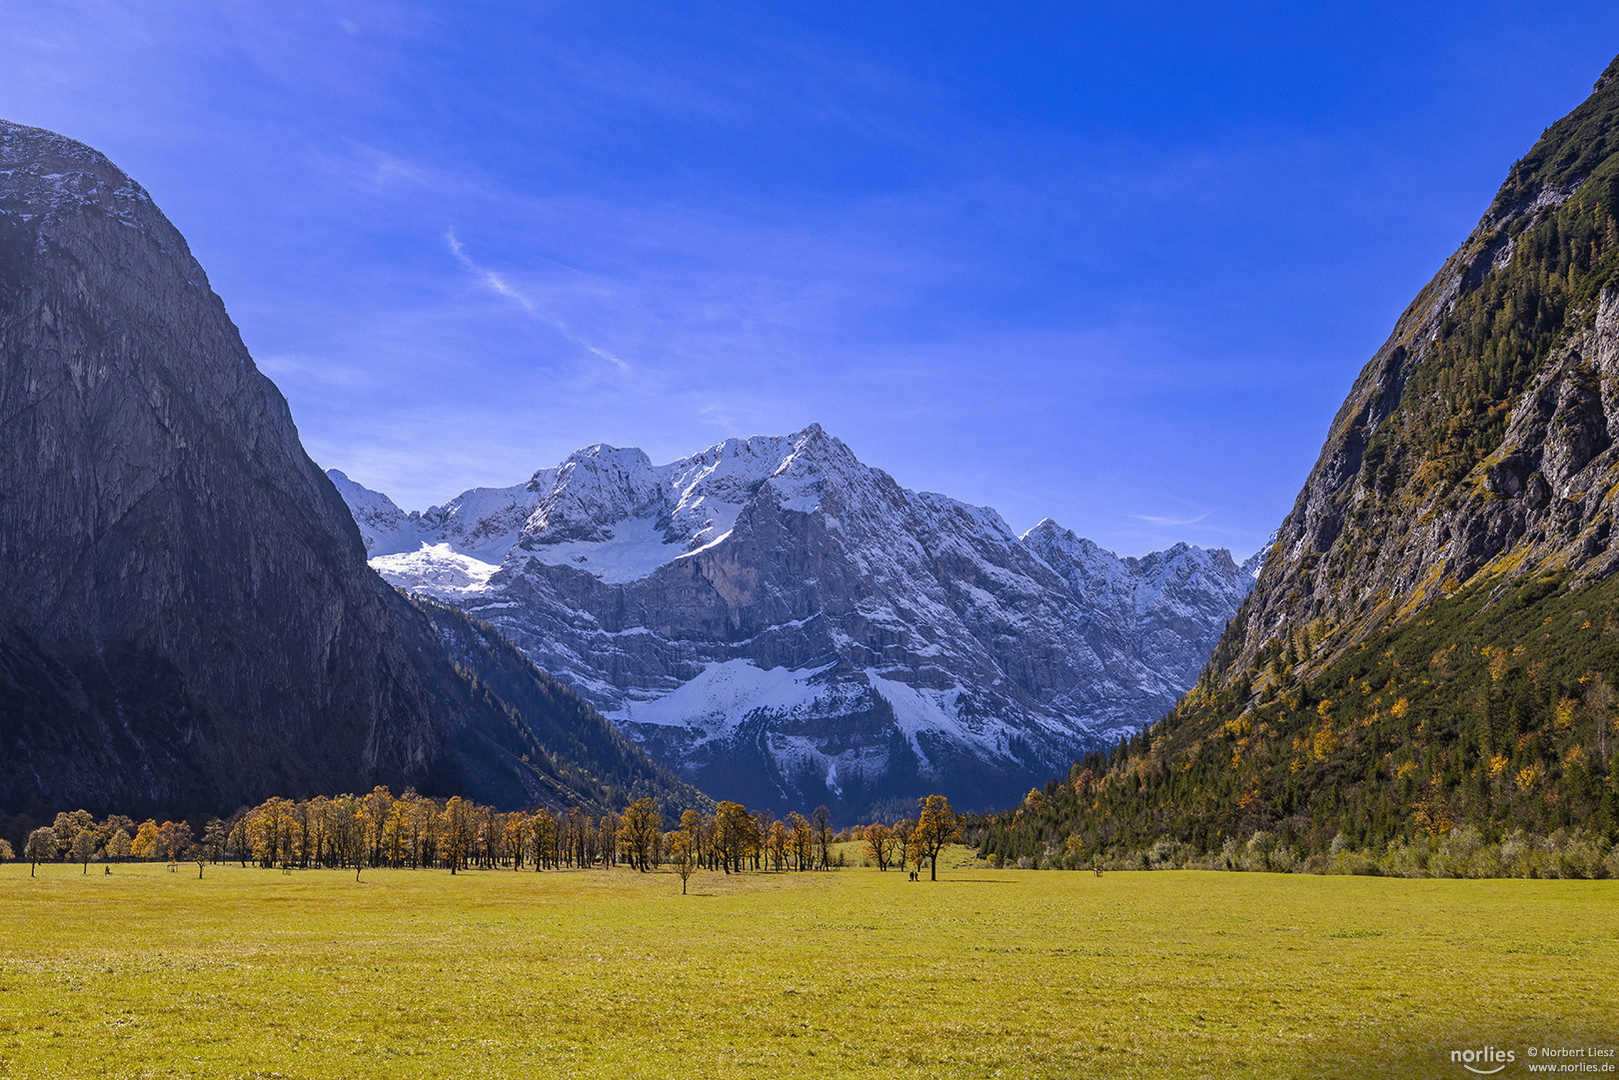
(48, 176)
(594, 489)
(787, 625)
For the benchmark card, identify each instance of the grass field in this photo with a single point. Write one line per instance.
(853, 973)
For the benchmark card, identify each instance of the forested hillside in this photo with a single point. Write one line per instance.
(1426, 667)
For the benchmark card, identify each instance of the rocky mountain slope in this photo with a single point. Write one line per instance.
(188, 621)
(787, 626)
(1478, 439)
(1432, 639)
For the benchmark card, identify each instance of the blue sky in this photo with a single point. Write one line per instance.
(1116, 264)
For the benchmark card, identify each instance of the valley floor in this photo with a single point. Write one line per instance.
(253, 973)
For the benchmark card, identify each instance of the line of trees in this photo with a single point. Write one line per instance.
(417, 832)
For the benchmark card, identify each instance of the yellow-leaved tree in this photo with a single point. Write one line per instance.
(936, 828)
(682, 855)
(638, 832)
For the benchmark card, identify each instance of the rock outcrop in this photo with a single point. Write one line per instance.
(1480, 439)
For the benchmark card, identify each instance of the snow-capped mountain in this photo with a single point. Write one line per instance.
(787, 626)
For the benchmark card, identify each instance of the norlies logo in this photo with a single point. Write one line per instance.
(1485, 1062)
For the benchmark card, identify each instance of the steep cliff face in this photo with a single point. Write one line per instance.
(1480, 437)
(1433, 644)
(187, 619)
(788, 626)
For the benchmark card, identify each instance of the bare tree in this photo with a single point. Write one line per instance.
(821, 822)
(215, 835)
(879, 840)
(607, 839)
(902, 830)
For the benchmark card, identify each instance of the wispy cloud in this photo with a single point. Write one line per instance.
(1171, 522)
(609, 357)
(493, 280)
(498, 284)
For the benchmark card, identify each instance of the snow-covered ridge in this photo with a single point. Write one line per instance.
(788, 626)
(607, 511)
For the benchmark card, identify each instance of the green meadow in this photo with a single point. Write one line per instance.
(611, 973)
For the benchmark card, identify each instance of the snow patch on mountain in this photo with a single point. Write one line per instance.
(627, 551)
(437, 570)
(724, 694)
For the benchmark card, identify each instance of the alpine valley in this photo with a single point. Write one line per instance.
(786, 626)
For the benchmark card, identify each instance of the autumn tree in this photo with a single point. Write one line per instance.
(487, 832)
(733, 828)
(84, 847)
(174, 837)
(607, 839)
(936, 828)
(638, 832)
(803, 835)
(423, 829)
(542, 829)
(6, 854)
(269, 831)
(455, 832)
(300, 834)
(241, 836)
(516, 839)
(697, 832)
(374, 810)
(896, 848)
(879, 843)
(110, 828)
(764, 822)
(145, 843)
(67, 827)
(780, 843)
(682, 855)
(41, 847)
